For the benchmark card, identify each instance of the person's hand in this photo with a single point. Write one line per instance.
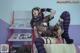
(61, 20)
(35, 28)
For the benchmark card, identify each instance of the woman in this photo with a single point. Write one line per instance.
(40, 25)
(37, 18)
(57, 32)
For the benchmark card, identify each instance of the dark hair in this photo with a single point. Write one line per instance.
(40, 13)
(56, 27)
(36, 8)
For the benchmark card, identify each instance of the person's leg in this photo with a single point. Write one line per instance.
(66, 21)
(67, 39)
(39, 42)
(66, 34)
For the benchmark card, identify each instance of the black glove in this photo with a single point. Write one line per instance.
(48, 9)
(43, 9)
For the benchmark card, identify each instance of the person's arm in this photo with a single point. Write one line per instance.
(35, 32)
(31, 23)
(51, 15)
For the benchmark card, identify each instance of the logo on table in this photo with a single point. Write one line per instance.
(4, 48)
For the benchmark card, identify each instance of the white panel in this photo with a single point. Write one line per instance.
(22, 19)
